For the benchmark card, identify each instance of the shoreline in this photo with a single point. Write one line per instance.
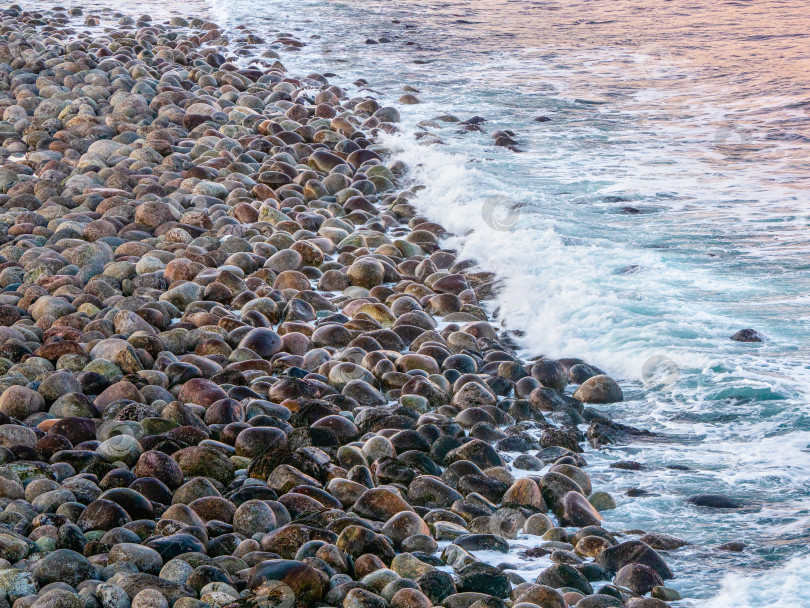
(443, 291)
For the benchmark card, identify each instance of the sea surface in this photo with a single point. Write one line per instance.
(660, 204)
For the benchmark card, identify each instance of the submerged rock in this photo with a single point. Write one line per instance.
(714, 501)
(606, 432)
(748, 335)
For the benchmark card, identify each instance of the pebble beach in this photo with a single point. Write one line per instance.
(239, 368)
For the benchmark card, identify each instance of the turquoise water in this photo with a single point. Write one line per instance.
(660, 206)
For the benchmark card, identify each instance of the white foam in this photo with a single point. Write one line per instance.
(563, 293)
(778, 587)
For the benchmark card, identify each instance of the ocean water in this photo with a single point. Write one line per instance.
(660, 204)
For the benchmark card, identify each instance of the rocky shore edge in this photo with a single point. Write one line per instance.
(238, 368)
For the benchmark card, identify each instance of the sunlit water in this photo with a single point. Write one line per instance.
(662, 207)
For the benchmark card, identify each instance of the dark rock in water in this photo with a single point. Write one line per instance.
(638, 492)
(563, 575)
(551, 374)
(554, 486)
(581, 372)
(748, 335)
(454, 472)
(422, 547)
(536, 552)
(734, 546)
(527, 462)
(615, 592)
(553, 454)
(665, 594)
(594, 572)
(542, 119)
(517, 443)
(550, 400)
(630, 269)
(482, 542)
(567, 438)
(483, 578)
(714, 501)
(638, 578)
(627, 465)
(605, 432)
(575, 510)
(663, 542)
(633, 551)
